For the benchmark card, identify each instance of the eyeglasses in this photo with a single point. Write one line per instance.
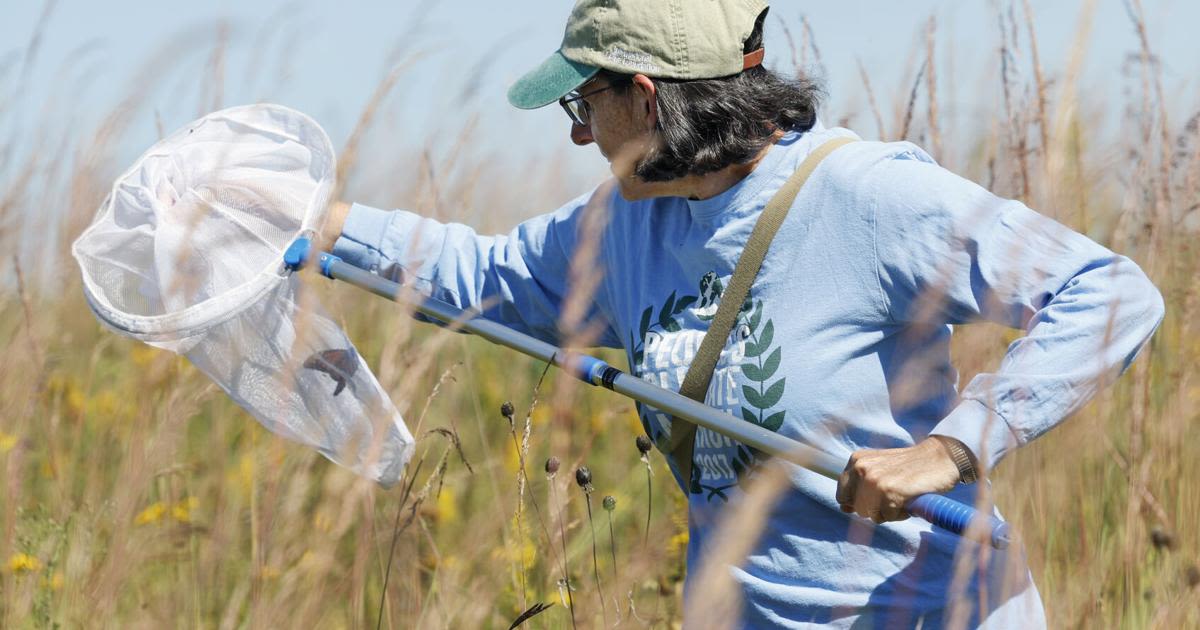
(578, 110)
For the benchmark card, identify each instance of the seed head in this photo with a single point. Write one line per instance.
(610, 503)
(507, 410)
(1162, 539)
(552, 465)
(583, 477)
(643, 444)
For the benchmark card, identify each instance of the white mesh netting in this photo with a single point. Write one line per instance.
(186, 254)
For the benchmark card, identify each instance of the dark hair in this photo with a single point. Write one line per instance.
(705, 125)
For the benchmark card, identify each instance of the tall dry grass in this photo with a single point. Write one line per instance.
(136, 495)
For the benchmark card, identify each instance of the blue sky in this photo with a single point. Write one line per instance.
(326, 59)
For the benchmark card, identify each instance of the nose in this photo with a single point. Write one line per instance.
(581, 135)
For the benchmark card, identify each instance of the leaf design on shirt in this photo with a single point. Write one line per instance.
(762, 393)
(743, 461)
(756, 317)
(683, 303)
(710, 292)
(762, 362)
(757, 347)
(668, 310)
(774, 421)
(648, 324)
(760, 374)
(767, 399)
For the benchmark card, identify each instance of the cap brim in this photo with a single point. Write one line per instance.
(549, 82)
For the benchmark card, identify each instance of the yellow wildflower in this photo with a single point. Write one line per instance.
(143, 354)
(523, 552)
(7, 442)
(104, 404)
(23, 563)
(54, 582)
(182, 511)
(243, 476)
(447, 506)
(314, 561)
(151, 514)
(56, 384)
(76, 401)
(678, 542)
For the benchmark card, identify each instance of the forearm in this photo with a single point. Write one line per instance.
(1078, 342)
(518, 279)
(950, 252)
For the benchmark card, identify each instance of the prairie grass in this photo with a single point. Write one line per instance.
(135, 494)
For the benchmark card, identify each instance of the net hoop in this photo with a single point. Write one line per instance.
(214, 310)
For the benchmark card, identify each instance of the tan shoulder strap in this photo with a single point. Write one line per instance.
(695, 384)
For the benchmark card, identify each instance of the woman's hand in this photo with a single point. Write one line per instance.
(878, 483)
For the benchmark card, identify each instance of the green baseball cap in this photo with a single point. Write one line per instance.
(670, 39)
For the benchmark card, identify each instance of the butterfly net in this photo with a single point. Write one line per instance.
(186, 254)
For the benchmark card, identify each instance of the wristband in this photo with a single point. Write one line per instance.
(961, 457)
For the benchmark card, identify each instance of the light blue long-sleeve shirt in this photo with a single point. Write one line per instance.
(843, 344)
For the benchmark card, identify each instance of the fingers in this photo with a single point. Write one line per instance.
(868, 502)
(856, 497)
(859, 491)
(892, 512)
(846, 487)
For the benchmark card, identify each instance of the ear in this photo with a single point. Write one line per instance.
(646, 101)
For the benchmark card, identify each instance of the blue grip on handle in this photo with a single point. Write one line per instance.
(589, 369)
(956, 517)
(326, 262)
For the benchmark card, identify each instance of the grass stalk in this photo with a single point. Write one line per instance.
(583, 478)
(552, 465)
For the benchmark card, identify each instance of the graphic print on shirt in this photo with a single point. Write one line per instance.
(743, 382)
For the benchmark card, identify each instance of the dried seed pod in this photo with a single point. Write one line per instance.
(643, 444)
(583, 477)
(507, 410)
(1162, 539)
(610, 503)
(552, 465)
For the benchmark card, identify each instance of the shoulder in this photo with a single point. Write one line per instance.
(866, 164)
(857, 171)
(900, 180)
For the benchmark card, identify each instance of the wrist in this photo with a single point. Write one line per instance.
(960, 456)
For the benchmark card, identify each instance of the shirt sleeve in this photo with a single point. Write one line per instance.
(948, 251)
(522, 279)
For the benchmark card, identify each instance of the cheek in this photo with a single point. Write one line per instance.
(615, 139)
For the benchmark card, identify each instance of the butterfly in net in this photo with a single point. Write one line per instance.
(339, 364)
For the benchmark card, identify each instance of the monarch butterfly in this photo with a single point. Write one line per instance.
(339, 364)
